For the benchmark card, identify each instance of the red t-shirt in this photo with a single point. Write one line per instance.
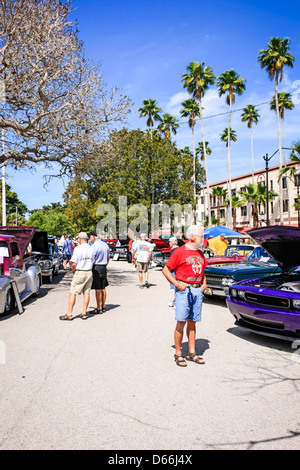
(188, 264)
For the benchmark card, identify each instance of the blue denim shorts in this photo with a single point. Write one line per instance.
(188, 304)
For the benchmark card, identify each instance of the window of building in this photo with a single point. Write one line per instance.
(272, 207)
(244, 211)
(222, 213)
(271, 184)
(284, 183)
(285, 205)
(297, 180)
(233, 192)
(243, 189)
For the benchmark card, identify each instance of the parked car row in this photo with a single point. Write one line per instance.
(27, 259)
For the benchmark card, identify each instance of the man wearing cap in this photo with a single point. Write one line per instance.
(142, 252)
(82, 264)
(101, 260)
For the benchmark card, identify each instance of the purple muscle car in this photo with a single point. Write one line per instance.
(271, 305)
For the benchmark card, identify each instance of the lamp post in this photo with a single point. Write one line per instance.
(267, 159)
(3, 185)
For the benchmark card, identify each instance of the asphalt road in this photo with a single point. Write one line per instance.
(110, 382)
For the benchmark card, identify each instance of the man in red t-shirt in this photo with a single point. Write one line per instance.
(188, 263)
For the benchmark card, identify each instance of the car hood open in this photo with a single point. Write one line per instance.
(23, 235)
(281, 242)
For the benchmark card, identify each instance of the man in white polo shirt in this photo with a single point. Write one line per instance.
(82, 264)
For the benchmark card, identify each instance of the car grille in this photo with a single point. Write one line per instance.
(214, 280)
(280, 302)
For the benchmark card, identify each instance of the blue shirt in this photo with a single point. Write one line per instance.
(67, 247)
(101, 252)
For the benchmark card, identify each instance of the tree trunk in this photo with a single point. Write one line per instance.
(279, 144)
(229, 167)
(206, 167)
(252, 154)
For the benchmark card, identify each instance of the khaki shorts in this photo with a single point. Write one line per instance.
(142, 267)
(81, 282)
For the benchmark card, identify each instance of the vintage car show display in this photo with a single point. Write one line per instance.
(271, 305)
(257, 264)
(20, 276)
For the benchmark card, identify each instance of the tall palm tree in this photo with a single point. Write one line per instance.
(200, 151)
(197, 80)
(151, 110)
(231, 83)
(226, 133)
(250, 115)
(191, 110)
(284, 102)
(273, 59)
(168, 124)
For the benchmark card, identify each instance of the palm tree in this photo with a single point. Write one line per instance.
(236, 202)
(284, 102)
(197, 80)
(256, 194)
(200, 150)
(273, 59)
(250, 115)
(231, 83)
(168, 124)
(151, 110)
(219, 192)
(191, 110)
(226, 133)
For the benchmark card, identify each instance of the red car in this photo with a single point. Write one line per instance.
(233, 254)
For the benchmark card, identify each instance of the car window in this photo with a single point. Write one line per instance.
(238, 250)
(259, 254)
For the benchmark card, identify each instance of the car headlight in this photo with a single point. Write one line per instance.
(41, 264)
(233, 293)
(296, 303)
(241, 294)
(227, 281)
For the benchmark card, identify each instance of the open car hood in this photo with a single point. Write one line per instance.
(23, 235)
(39, 243)
(281, 242)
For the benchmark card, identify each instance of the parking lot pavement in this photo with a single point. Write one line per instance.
(110, 382)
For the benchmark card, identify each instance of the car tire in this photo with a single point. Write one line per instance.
(9, 302)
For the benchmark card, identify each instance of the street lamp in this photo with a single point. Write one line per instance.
(267, 159)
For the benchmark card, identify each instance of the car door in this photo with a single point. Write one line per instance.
(17, 267)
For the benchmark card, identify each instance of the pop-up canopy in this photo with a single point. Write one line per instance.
(219, 230)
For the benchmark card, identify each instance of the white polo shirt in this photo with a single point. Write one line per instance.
(83, 257)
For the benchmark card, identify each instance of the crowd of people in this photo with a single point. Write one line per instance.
(184, 271)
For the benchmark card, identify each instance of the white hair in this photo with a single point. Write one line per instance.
(194, 230)
(173, 240)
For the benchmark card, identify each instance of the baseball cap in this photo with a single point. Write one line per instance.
(82, 235)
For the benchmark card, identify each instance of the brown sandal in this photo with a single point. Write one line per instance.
(180, 361)
(195, 358)
(66, 317)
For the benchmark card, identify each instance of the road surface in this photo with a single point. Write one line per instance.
(111, 383)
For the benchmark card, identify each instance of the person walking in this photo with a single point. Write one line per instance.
(82, 264)
(101, 259)
(67, 251)
(188, 263)
(142, 253)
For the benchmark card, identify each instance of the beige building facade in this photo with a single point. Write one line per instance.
(244, 216)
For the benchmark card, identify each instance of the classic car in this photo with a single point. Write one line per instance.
(19, 276)
(43, 251)
(257, 264)
(162, 250)
(233, 254)
(271, 305)
(120, 249)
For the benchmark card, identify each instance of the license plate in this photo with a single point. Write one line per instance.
(120, 250)
(208, 291)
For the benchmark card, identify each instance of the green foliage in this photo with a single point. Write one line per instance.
(131, 164)
(51, 218)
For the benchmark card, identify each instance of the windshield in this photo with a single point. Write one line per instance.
(258, 254)
(236, 250)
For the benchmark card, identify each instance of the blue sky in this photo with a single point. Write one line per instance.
(145, 46)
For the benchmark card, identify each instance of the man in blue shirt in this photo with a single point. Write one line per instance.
(101, 260)
(67, 251)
